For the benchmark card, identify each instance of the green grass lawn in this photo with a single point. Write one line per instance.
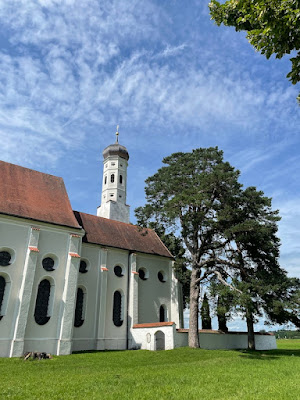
(175, 374)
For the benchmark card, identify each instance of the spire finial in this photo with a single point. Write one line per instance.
(117, 134)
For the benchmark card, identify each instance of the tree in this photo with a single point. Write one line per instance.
(223, 299)
(190, 192)
(229, 233)
(175, 246)
(252, 251)
(273, 27)
(205, 313)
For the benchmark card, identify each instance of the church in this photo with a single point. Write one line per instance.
(71, 281)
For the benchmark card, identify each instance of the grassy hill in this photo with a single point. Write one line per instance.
(176, 374)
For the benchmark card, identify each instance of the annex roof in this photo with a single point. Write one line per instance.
(31, 194)
(117, 234)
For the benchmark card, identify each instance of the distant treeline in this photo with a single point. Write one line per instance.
(285, 334)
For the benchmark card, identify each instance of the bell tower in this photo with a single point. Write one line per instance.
(114, 183)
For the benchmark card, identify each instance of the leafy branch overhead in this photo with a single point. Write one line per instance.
(273, 27)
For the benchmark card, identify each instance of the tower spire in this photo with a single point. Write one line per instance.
(117, 134)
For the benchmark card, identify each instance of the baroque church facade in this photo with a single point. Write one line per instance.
(71, 281)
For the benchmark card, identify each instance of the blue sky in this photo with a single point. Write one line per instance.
(72, 70)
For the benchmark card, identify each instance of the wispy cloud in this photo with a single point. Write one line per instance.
(71, 65)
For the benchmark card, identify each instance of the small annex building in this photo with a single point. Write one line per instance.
(71, 281)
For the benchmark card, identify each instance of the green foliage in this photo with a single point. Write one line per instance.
(157, 375)
(205, 313)
(175, 246)
(287, 334)
(253, 252)
(273, 27)
(191, 193)
(228, 232)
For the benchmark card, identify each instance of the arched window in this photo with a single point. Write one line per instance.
(2, 290)
(42, 303)
(117, 309)
(105, 180)
(162, 314)
(79, 320)
(112, 178)
(121, 179)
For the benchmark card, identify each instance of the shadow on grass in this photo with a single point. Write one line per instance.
(269, 355)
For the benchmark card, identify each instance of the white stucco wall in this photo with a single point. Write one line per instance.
(18, 330)
(151, 292)
(213, 341)
(144, 338)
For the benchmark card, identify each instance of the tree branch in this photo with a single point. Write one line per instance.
(222, 280)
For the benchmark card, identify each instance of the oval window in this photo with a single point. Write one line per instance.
(143, 274)
(118, 271)
(161, 276)
(83, 268)
(112, 178)
(48, 264)
(5, 258)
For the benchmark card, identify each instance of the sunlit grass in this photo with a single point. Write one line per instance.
(176, 374)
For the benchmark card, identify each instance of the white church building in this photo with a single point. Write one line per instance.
(71, 281)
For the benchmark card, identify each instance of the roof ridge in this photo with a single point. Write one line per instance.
(30, 169)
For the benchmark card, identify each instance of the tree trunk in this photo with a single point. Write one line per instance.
(250, 326)
(222, 323)
(194, 310)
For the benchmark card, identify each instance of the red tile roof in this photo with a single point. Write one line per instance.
(111, 233)
(31, 194)
(153, 325)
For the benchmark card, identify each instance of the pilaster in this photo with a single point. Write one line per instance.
(102, 298)
(176, 299)
(133, 294)
(68, 303)
(17, 344)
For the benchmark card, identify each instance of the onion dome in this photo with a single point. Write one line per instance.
(116, 149)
